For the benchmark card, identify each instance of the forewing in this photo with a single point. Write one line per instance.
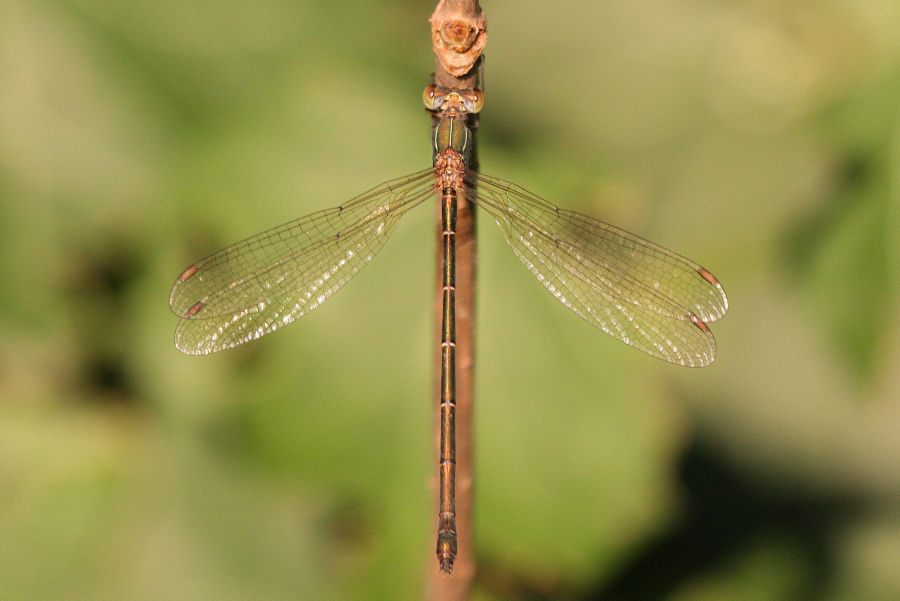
(637, 291)
(262, 283)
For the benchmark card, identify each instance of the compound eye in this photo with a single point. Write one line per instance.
(429, 97)
(477, 101)
(472, 99)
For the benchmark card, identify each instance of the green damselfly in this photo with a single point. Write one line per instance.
(639, 292)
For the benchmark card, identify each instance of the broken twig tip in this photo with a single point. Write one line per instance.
(458, 34)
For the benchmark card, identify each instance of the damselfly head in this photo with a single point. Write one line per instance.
(439, 99)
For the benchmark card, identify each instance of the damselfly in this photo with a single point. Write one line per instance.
(643, 294)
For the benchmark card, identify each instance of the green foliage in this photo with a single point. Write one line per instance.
(760, 139)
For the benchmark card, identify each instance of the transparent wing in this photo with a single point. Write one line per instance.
(639, 292)
(262, 283)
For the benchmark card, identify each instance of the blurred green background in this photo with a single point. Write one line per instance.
(760, 138)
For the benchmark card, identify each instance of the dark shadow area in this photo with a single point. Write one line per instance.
(724, 517)
(107, 375)
(98, 289)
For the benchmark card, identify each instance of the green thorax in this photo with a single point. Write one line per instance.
(451, 108)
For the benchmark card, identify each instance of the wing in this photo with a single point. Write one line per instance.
(262, 283)
(639, 292)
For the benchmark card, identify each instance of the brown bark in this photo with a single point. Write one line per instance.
(458, 36)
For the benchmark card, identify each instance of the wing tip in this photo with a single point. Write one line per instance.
(188, 273)
(193, 310)
(699, 322)
(709, 277)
